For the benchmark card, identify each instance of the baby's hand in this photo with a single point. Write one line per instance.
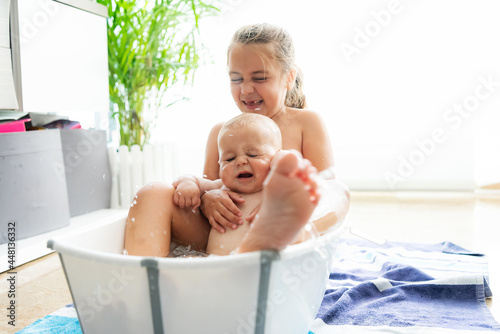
(187, 194)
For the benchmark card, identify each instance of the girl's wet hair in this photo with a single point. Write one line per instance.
(280, 45)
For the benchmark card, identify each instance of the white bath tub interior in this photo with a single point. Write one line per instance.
(259, 292)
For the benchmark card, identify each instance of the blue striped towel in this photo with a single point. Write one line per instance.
(406, 288)
(394, 288)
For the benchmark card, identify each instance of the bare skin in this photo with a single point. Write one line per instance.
(301, 130)
(289, 198)
(154, 221)
(225, 243)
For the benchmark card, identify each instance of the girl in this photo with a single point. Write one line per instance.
(265, 80)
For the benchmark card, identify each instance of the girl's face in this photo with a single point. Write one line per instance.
(257, 85)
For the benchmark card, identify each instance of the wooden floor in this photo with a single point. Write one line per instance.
(467, 219)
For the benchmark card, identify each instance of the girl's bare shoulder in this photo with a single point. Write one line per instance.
(216, 129)
(305, 117)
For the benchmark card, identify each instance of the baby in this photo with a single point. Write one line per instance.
(247, 145)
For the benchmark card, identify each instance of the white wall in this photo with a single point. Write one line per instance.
(386, 77)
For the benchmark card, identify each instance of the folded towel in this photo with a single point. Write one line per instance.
(405, 288)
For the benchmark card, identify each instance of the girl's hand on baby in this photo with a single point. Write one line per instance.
(220, 209)
(187, 195)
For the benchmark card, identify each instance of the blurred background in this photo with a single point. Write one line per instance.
(409, 90)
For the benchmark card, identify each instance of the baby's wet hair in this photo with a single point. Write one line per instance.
(264, 122)
(280, 45)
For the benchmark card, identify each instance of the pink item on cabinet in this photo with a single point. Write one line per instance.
(14, 126)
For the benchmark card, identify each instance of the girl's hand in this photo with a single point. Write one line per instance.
(219, 207)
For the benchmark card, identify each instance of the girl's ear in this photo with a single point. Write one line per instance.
(290, 82)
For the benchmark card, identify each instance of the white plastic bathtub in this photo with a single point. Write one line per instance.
(259, 292)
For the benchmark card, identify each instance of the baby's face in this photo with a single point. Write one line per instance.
(245, 158)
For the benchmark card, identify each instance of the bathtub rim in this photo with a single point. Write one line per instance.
(63, 248)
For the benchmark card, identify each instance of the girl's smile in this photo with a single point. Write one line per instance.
(253, 104)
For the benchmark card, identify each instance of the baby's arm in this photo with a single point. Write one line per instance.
(189, 188)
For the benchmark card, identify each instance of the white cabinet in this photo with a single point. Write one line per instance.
(8, 99)
(62, 52)
(4, 24)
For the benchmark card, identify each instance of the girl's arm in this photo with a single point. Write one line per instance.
(211, 168)
(317, 148)
(316, 145)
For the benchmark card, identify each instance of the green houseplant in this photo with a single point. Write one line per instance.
(152, 45)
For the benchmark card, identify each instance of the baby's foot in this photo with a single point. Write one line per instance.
(289, 199)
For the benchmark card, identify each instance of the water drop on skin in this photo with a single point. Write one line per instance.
(125, 252)
(132, 219)
(135, 202)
